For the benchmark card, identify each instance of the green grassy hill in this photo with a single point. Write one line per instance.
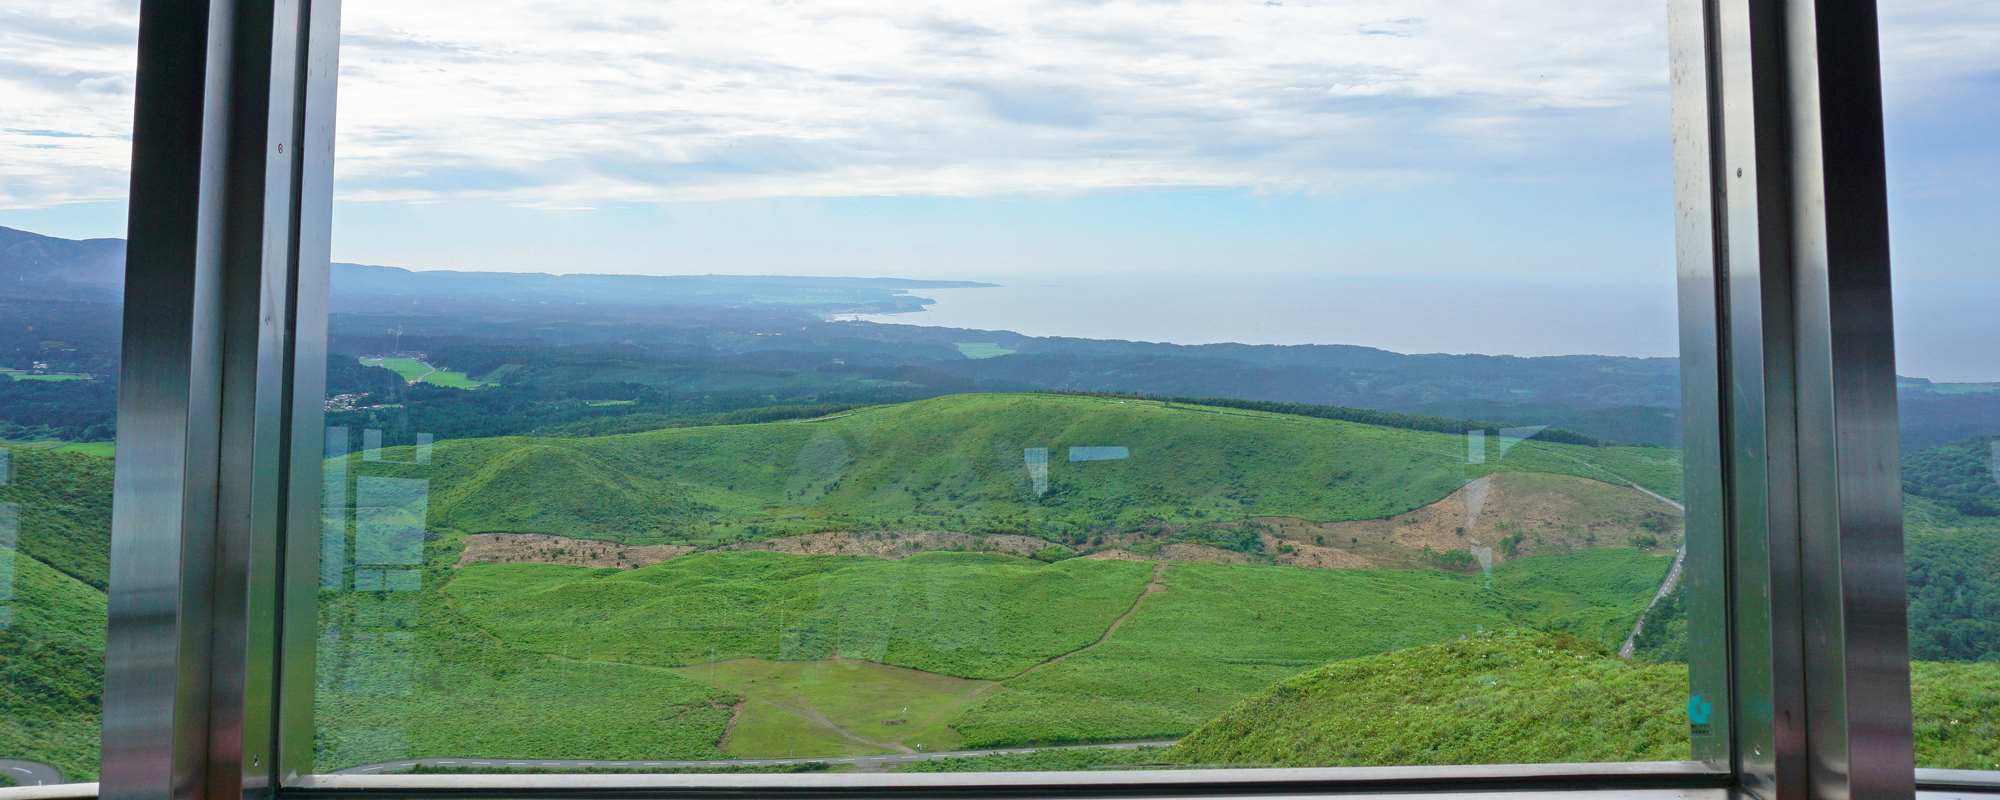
(1517, 697)
(52, 637)
(1507, 698)
(963, 614)
(62, 503)
(51, 668)
(1052, 649)
(957, 463)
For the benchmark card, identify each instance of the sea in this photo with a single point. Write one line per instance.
(1463, 315)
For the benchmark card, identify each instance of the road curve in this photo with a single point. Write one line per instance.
(1673, 579)
(30, 773)
(875, 762)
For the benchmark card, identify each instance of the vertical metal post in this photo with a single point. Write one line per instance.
(1820, 647)
(1857, 651)
(299, 630)
(156, 682)
(1698, 241)
(1763, 559)
(205, 401)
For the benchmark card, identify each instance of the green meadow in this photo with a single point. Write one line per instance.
(722, 653)
(960, 463)
(55, 377)
(415, 371)
(978, 350)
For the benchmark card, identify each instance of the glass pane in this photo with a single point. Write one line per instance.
(65, 145)
(765, 387)
(1943, 119)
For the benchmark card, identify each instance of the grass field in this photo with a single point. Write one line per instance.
(98, 449)
(1507, 699)
(720, 654)
(837, 707)
(962, 614)
(53, 377)
(1517, 697)
(51, 667)
(403, 673)
(1076, 759)
(415, 371)
(978, 350)
(959, 463)
(1956, 706)
(1205, 635)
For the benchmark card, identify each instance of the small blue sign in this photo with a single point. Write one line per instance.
(1699, 710)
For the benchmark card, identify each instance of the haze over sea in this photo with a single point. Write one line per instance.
(1407, 315)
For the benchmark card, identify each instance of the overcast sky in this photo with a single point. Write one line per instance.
(1520, 141)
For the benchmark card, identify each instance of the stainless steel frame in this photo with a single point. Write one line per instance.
(1795, 579)
(208, 406)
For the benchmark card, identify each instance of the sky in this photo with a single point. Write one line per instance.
(1512, 143)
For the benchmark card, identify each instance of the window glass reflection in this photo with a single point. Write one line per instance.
(1941, 123)
(65, 149)
(1003, 388)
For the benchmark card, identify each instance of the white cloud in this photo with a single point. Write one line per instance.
(526, 102)
(65, 100)
(558, 104)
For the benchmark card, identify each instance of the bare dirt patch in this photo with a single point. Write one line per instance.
(897, 544)
(1168, 551)
(541, 548)
(1514, 514)
(1312, 556)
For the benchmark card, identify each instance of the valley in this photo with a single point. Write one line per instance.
(706, 522)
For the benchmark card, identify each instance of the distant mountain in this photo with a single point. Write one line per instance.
(46, 266)
(72, 269)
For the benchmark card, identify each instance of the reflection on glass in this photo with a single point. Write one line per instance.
(65, 149)
(1941, 125)
(1126, 464)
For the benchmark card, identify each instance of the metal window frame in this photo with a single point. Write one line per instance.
(1793, 502)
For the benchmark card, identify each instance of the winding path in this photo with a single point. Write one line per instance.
(1666, 586)
(874, 762)
(30, 773)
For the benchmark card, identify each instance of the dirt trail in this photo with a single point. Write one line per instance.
(820, 720)
(729, 728)
(1631, 644)
(1154, 586)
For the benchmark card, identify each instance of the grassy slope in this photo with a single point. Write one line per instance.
(962, 614)
(1517, 697)
(1957, 713)
(1078, 759)
(51, 668)
(957, 463)
(402, 674)
(62, 504)
(1509, 698)
(52, 650)
(978, 350)
(791, 708)
(1593, 594)
(412, 370)
(1220, 632)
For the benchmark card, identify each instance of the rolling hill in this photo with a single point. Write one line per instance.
(1517, 697)
(1019, 463)
(1509, 698)
(58, 506)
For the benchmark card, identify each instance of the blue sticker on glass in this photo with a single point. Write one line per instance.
(1699, 710)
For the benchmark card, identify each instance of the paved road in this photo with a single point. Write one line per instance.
(30, 773)
(1666, 586)
(866, 763)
